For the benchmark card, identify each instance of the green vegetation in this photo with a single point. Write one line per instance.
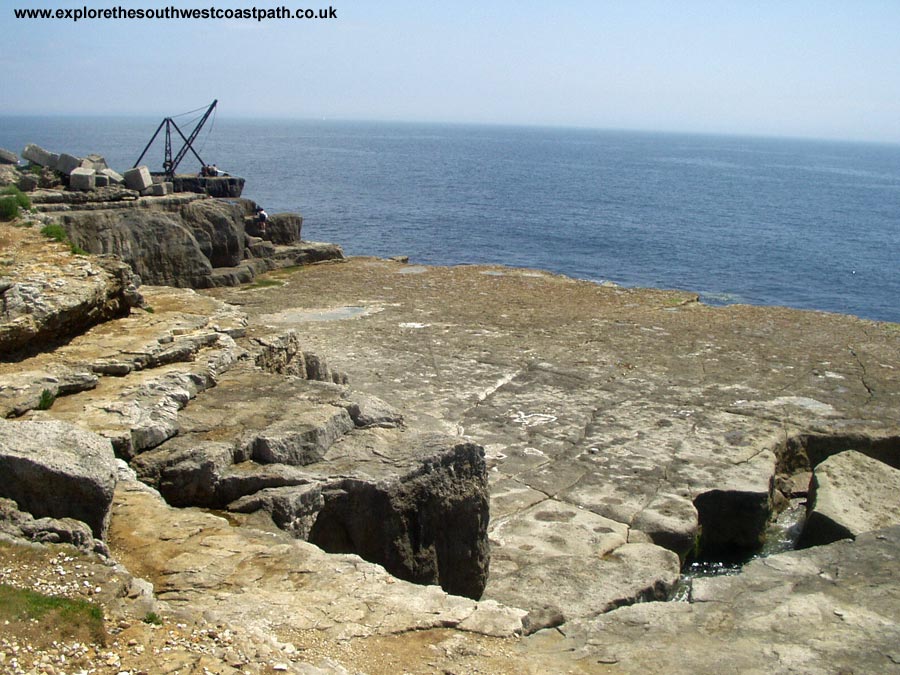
(153, 618)
(12, 200)
(19, 609)
(9, 209)
(149, 309)
(262, 283)
(55, 232)
(21, 198)
(47, 399)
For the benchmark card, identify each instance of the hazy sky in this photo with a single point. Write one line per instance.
(820, 68)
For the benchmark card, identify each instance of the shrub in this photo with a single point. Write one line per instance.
(9, 209)
(55, 232)
(21, 198)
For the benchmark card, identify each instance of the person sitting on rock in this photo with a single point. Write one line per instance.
(262, 218)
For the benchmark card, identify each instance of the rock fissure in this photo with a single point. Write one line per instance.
(863, 375)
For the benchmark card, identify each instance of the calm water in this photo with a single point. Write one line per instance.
(768, 221)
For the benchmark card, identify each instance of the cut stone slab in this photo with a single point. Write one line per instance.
(100, 180)
(114, 177)
(138, 178)
(82, 179)
(53, 469)
(851, 494)
(37, 155)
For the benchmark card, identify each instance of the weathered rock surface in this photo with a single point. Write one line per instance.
(620, 419)
(620, 427)
(266, 580)
(415, 504)
(8, 157)
(850, 494)
(55, 470)
(829, 609)
(47, 296)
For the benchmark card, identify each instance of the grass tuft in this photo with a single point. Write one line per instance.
(47, 399)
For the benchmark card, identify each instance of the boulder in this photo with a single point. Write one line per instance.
(138, 178)
(20, 525)
(27, 182)
(37, 155)
(7, 157)
(82, 179)
(155, 190)
(55, 470)
(851, 493)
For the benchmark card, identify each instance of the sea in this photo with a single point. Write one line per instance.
(769, 221)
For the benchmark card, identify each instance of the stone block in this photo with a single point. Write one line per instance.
(97, 162)
(138, 178)
(82, 179)
(101, 180)
(66, 164)
(7, 157)
(114, 176)
(169, 186)
(37, 155)
(155, 190)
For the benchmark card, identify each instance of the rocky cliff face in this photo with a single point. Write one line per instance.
(189, 240)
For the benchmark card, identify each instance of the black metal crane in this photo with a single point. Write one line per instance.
(171, 163)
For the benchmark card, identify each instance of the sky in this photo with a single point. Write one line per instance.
(816, 69)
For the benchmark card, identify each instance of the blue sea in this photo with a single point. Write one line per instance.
(807, 224)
